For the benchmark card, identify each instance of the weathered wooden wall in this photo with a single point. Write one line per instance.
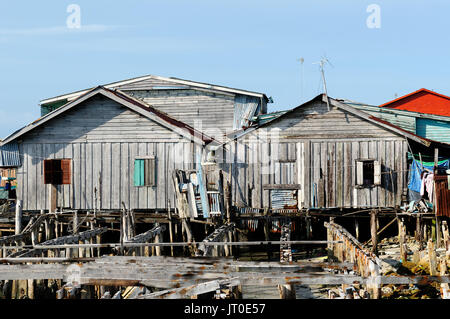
(102, 138)
(313, 143)
(217, 107)
(210, 112)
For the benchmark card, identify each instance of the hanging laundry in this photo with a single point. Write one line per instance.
(427, 184)
(415, 180)
(252, 225)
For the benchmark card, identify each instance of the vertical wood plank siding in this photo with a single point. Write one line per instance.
(321, 147)
(332, 160)
(114, 162)
(211, 113)
(102, 139)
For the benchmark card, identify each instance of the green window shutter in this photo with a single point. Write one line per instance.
(138, 172)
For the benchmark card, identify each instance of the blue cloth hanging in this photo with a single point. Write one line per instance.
(416, 171)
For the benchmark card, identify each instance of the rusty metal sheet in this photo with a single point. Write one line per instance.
(283, 198)
(442, 195)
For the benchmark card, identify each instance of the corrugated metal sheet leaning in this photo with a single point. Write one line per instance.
(244, 109)
(442, 195)
(9, 155)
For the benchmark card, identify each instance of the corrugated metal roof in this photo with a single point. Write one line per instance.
(434, 130)
(432, 127)
(193, 84)
(9, 155)
(422, 100)
(264, 118)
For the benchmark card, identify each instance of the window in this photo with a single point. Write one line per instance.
(57, 171)
(145, 171)
(368, 173)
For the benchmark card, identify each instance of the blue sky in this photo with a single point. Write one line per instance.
(253, 45)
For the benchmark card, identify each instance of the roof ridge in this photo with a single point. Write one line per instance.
(163, 78)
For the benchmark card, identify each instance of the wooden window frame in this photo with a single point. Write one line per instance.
(58, 171)
(361, 170)
(150, 170)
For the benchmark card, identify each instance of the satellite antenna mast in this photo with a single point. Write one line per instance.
(322, 63)
(301, 60)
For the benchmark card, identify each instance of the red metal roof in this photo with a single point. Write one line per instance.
(422, 101)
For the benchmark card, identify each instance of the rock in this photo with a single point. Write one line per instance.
(389, 265)
(387, 291)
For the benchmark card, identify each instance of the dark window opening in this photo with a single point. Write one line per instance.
(368, 173)
(57, 171)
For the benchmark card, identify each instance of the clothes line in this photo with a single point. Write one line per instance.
(416, 180)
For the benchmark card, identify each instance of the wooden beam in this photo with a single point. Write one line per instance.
(282, 186)
(189, 291)
(216, 236)
(71, 239)
(148, 235)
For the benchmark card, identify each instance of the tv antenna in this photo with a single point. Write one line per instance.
(301, 60)
(322, 63)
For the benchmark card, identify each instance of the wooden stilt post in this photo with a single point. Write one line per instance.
(56, 227)
(158, 248)
(34, 237)
(432, 257)
(18, 219)
(425, 232)
(286, 291)
(30, 288)
(402, 240)
(357, 228)
(419, 236)
(187, 229)
(146, 251)
(267, 232)
(330, 246)
(373, 231)
(91, 241)
(230, 238)
(226, 247)
(374, 287)
(445, 290)
(122, 231)
(169, 215)
(438, 233)
(76, 251)
(446, 238)
(41, 228)
(47, 228)
(308, 228)
(53, 197)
